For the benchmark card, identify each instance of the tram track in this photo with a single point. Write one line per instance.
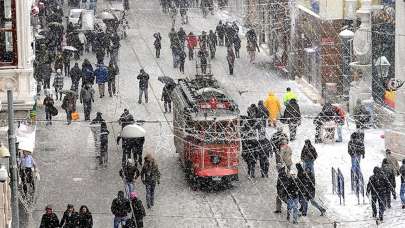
(141, 19)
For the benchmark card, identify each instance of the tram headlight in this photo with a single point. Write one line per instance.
(215, 159)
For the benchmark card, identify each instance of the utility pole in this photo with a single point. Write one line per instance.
(15, 223)
(291, 45)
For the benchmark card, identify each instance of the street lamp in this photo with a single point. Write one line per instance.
(382, 66)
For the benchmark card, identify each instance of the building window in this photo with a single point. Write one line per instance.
(8, 33)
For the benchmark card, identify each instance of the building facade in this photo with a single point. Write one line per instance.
(16, 71)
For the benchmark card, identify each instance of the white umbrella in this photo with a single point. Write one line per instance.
(133, 131)
(69, 48)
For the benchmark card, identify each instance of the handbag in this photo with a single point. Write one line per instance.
(53, 110)
(75, 116)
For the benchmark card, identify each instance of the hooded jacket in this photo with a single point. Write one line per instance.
(101, 74)
(273, 106)
(292, 113)
(377, 184)
(120, 206)
(308, 152)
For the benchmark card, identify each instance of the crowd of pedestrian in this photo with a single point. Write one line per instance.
(70, 218)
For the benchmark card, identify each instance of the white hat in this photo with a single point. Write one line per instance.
(58, 71)
(131, 161)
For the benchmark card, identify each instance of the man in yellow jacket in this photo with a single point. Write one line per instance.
(273, 106)
(289, 95)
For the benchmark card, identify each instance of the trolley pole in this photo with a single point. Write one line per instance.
(13, 161)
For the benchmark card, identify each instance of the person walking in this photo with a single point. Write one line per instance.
(230, 57)
(250, 156)
(289, 95)
(377, 187)
(356, 151)
(49, 219)
(66, 55)
(75, 76)
(70, 218)
(157, 43)
(327, 114)
(292, 117)
(27, 168)
(237, 45)
(69, 105)
(392, 162)
(402, 191)
(112, 73)
(58, 64)
(309, 155)
(389, 174)
(85, 217)
(46, 71)
(192, 42)
(306, 185)
(281, 187)
(276, 141)
(361, 115)
(212, 43)
(292, 197)
(87, 73)
(167, 98)
(101, 74)
(138, 209)
(104, 144)
(87, 98)
(58, 84)
(340, 122)
(220, 31)
(129, 173)
(48, 103)
(273, 107)
(120, 207)
(143, 78)
(182, 37)
(203, 55)
(285, 154)
(150, 175)
(182, 60)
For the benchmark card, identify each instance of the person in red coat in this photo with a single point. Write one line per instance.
(192, 42)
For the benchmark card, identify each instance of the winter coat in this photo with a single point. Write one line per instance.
(220, 30)
(112, 73)
(292, 187)
(75, 74)
(285, 155)
(356, 146)
(120, 207)
(138, 209)
(230, 57)
(69, 220)
(361, 114)
(143, 80)
(273, 106)
(393, 163)
(377, 184)
(48, 102)
(282, 183)
(87, 74)
(192, 41)
(289, 96)
(85, 220)
(250, 151)
(130, 172)
(263, 112)
(276, 140)
(101, 74)
(212, 39)
(166, 94)
(126, 119)
(69, 102)
(327, 114)
(150, 173)
(292, 113)
(86, 95)
(58, 82)
(182, 56)
(157, 43)
(306, 183)
(45, 71)
(402, 173)
(49, 221)
(58, 62)
(308, 152)
(182, 35)
(236, 42)
(341, 114)
(389, 174)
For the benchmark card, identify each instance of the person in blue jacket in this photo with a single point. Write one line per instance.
(101, 74)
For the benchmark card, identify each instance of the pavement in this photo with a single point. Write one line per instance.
(66, 158)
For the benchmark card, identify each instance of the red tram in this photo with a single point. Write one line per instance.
(206, 131)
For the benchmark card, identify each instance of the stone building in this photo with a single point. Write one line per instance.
(16, 70)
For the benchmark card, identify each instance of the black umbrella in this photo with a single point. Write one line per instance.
(167, 80)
